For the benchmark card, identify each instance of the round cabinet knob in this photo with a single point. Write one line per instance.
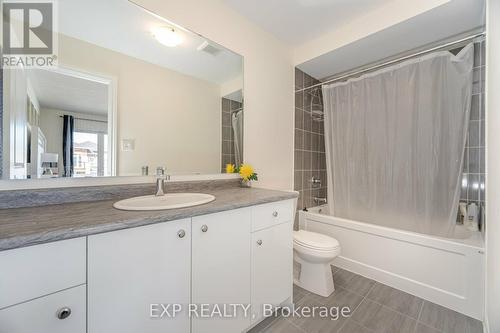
(63, 313)
(204, 228)
(181, 233)
(275, 214)
(259, 242)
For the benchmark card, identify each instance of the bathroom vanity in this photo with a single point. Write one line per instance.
(225, 252)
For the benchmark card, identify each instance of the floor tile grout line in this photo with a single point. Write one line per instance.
(364, 298)
(381, 304)
(419, 314)
(433, 328)
(294, 325)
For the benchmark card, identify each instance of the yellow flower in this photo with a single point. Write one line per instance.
(230, 168)
(246, 171)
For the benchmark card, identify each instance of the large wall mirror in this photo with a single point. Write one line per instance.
(131, 92)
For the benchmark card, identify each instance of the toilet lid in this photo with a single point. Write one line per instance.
(315, 240)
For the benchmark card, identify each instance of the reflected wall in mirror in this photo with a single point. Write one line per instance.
(132, 92)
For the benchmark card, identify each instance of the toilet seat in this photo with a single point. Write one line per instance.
(315, 241)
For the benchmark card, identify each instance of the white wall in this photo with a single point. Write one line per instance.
(173, 118)
(268, 82)
(493, 167)
(383, 17)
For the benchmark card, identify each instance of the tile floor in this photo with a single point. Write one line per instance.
(376, 308)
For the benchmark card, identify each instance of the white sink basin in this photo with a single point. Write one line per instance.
(167, 201)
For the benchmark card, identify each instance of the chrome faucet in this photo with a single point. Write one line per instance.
(160, 181)
(319, 200)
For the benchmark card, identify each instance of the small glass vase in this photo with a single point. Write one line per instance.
(245, 183)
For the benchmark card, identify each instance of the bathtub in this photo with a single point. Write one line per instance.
(449, 272)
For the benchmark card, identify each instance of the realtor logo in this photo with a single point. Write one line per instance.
(28, 34)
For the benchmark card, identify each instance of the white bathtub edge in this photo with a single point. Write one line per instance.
(468, 301)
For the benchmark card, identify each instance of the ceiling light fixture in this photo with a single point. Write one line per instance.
(167, 36)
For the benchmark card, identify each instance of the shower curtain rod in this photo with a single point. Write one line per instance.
(97, 121)
(390, 62)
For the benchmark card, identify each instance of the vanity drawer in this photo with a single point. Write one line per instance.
(62, 312)
(267, 215)
(39, 270)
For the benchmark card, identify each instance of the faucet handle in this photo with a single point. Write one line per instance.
(160, 171)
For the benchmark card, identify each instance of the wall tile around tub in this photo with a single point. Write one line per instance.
(299, 160)
(299, 118)
(226, 133)
(475, 112)
(474, 156)
(307, 121)
(473, 187)
(298, 180)
(474, 139)
(299, 100)
(226, 105)
(322, 143)
(482, 160)
(226, 119)
(299, 139)
(307, 100)
(314, 142)
(483, 53)
(483, 133)
(307, 141)
(308, 158)
(308, 80)
(299, 79)
(483, 107)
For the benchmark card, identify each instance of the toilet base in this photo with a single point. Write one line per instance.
(316, 278)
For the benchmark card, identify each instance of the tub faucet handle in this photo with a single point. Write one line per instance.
(320, 201)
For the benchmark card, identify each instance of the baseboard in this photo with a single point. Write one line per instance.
(432, 294)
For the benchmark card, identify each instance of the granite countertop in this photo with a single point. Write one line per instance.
(21, 227)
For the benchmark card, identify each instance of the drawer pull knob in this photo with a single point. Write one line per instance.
(275, 214)
(63, 313)
(259, 242)
(181, 233)
(204, 228)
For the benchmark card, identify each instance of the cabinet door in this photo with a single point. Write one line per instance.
(129, 270)
(221, 268)
(41, 315)
(272, 265)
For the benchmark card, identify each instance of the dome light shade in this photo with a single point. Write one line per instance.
(167, 36)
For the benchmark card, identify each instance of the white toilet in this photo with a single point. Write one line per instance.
(315, 252)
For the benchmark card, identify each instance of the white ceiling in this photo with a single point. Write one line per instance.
(451, 19)
(297, 21)
(63, 92)
(126, 28)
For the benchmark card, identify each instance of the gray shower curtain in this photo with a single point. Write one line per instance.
(395, 140)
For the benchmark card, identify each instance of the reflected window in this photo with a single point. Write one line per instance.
(90, 154)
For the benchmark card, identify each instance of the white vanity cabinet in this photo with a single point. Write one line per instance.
(122, 281)
(221, 268)
(272, 256)
(61, 312)
(42, 288)
(130, 269)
